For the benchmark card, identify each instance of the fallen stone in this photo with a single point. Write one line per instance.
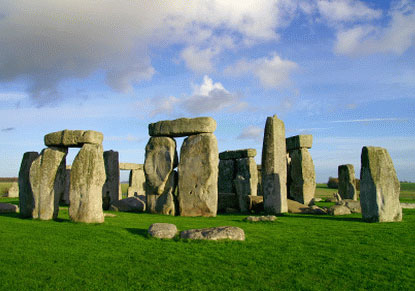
(47, 179)
(26, 200)
(237, 154)
(182, 127)
(13, 191)
(130, 204)
(162, 230)
(8, 208)
(226, 176)
(297, 207)
(408, 205)
(274, 167)
(299, 142)
(260, 218)
(347, 184)
(339, 210)
(109, 215)
(314, 209)
(131, 166)
(353, 205)
(73, 138)
(198, 176)
(379, 187)
(87, 179)
(214, 233)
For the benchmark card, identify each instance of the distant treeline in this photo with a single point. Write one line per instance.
(8, 179)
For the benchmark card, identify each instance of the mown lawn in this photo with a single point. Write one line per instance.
(297, 252)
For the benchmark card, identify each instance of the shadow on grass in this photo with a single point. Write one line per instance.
(326, 217)
(138, 231)
(14, 215)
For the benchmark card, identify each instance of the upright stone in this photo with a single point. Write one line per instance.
(47, 179)
(65, 198)
(274, 167)
(246, 181)
(137, 182)
(111, 189)
(226, 176)
(160, 160)
(302, 176)
(13, 191)
(26, 200)
(347, 184)
(87, 180)
(198, 176)
(379, 186)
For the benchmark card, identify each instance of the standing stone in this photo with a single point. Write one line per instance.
(198, 176)
(347, 184)
(111, 190)
(65, 198)
(136, 183)
(26, 201)
(226, 176)
(379, 186)
(87, 180)
(246, 181)
(47, 179)
(13, 191)
(259, 188)
(302, 176)
(274, 167)
(160, 160)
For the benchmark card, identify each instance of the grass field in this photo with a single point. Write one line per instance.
(4, 187)
(297, 252)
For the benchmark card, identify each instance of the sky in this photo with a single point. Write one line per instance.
(343, 71)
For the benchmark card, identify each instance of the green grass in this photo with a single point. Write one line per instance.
(297, 252)
(4, 187)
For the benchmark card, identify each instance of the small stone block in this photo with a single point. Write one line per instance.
(238, 154)
(299, 141)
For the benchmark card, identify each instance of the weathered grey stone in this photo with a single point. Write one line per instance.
(237, 154)
(13, 191)
(379, 186)
(47, 179)
(165, 203)
(130, 204)
(226, 176)
(255, 203)
(347, 184)
(182, 127)
(259, 188)
(247, 168)
(87, 179)
(268, 218)
(73, 138)
(111, 189)
(353, 205)
(274, 167)
(299, 208)
(136, 183)
(26, 200)
(8, 208)
(198, 176)
(214, 233)
(314, 209)
(162, 230)
(242, 189)
(131, 166)
(299, 142)
(65, 197)
(339, 210)
(227, 200)
(302, 176)
(408, 205)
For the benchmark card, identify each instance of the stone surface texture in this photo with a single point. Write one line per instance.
(166, 203)
(237, 154)
(130, 204)
(8, 208)
(261, 218)
(198, 176)
(353, 205)
(65, 197)
(26, 200)
(302, 176)
(13, 191)
(136, 183)
(182, 127)
(274, 167)
(131, 166)
(162, 230)
(226, 176)
(299, 142)
(347, 184)
(87, 180)
(111, 189)
(339, 210)
(379, 186)
(214, 233)
(47, 179)
(73, 138)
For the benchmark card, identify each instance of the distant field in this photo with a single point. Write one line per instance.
(4, 187)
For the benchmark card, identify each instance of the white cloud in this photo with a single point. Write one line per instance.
(346, 11)
(12, 96)
(396, 37)
(272, 72)
(128, 138)
(252, 132)
(369, 120)
(199, 60)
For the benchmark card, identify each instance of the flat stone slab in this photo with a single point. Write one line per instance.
(162, 230)
(261, 218)
(214, 233)
(238, 154)
(408, 205)
(131, 166)
(8, 208)
(130, 204)
(182, 127)
(73, 138)
(299, 141)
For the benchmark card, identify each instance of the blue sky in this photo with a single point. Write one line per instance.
(343, 71)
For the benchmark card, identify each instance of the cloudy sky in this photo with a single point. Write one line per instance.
(343, 71)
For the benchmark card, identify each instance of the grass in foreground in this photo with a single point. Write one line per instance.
(298, 252)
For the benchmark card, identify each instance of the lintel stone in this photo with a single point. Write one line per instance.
(237, 154)
(299, 141)
(73, 138)
(131, 166)
(182, 127)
